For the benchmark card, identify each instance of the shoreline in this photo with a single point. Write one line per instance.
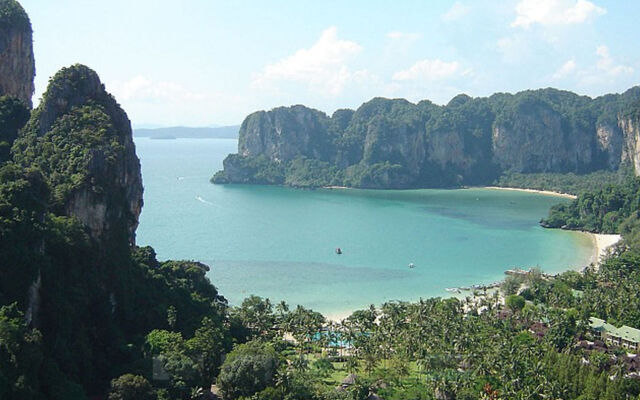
(537, 191)
(602, 242)
(336, 187)
(545, 192)
(338, 316)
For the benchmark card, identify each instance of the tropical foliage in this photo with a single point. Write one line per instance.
(607, 210)
(564, 183)
(547, 139)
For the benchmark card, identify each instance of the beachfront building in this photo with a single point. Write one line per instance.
(625, 336)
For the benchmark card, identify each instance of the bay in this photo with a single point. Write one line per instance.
(280, 242)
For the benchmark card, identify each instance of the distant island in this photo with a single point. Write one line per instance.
(175, 132)
(393, 143)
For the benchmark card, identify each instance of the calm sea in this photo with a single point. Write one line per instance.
(280, 243)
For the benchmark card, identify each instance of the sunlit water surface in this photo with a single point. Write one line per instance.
(280, 242)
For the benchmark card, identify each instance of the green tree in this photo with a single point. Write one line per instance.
(159, 341)
(207, 347)
(248, 369)
(13, 115)
(323, 367)
(515, 302)
(20, 356)
(131, 387)
(511, 284)
(256, 313)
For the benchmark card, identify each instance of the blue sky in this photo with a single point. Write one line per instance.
(205, 62)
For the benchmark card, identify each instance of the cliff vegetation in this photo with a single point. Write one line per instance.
(392, 143)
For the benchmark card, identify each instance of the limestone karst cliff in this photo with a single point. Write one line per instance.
(630, 127)
(81, 138)
(17, 65)
(389, 143)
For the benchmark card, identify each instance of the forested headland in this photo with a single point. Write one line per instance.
(546, 138)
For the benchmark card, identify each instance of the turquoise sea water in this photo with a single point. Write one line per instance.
(279, 242)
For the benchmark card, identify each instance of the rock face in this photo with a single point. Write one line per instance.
(17, 65)
(285, 133)
(535, 137)
(611, 140)
(470, 141)
(630, 127)
(83, 138)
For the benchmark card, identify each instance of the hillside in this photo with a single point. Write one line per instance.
(392, 143)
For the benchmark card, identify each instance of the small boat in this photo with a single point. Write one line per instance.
(452, 290)
(411, 265)
(338, 251)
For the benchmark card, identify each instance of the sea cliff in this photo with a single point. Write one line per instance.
(392, 143)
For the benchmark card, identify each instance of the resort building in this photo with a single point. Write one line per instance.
(625, 336)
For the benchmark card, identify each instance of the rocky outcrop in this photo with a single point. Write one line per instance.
(610, 141)
(17, 65)
(393, 131)
(534, 143)
(101, 177)
(630, 127)
(394, 143)
(285, 133)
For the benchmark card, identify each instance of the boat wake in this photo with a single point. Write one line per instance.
(201, 200)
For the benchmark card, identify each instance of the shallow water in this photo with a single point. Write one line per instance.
(280, 242)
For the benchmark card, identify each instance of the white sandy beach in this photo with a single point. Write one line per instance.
(336, 187)
(546, 192)
(337, 316)
(602, 243)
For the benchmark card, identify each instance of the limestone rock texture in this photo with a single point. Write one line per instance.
(393, 143)
(631, 135)
(284, 133)
(80, 136)
(17, 63)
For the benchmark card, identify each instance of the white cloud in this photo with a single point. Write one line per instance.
(608, 66)
(603, 74)
(168, 103)
(457, 11)
(555, 12)
(565, 69)
(323, 66)
(430, 70)
(141, 88)
(404, 36)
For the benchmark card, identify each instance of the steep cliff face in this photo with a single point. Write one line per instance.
(285, 133)
(17, 65)
(394, 143)
(630, 127)
(393, 131)
(532, 136)
(82, 139)
(610, 142)
(459, 141)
